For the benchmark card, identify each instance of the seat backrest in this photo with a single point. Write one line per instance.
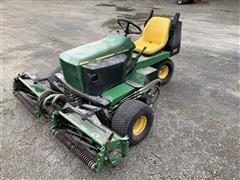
(157, 30)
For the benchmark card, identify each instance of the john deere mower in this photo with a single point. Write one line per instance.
(99, 101)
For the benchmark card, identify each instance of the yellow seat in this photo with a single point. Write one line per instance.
(155, 35)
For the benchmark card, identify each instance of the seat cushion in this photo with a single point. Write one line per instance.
(151, 47)
(155, 35)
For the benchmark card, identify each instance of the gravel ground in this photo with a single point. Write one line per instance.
(196, 130)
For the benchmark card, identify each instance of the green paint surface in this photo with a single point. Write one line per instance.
(85, 126)
(29, 84)
(138, 78)
(112, 44)
(145, 61)
(115, 94)
(99, 135)
(72, 59)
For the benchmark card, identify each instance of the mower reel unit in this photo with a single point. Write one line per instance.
(99, 100)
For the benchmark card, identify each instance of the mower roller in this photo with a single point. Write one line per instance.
(99, 101)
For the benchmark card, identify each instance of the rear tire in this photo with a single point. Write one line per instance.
(165, 70)
(134, 119)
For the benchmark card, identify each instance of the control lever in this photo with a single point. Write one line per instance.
(139, 55)
(134, 60)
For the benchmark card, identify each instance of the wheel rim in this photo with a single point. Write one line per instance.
(163, 72)
(139, 125)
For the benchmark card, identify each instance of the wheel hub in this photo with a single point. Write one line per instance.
(163, 72)
(139, 125)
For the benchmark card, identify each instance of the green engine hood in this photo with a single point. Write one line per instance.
(112, 44)
(73, 59)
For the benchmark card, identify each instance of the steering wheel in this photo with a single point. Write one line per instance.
(129, 27)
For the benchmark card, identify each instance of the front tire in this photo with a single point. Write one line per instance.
(134, 119)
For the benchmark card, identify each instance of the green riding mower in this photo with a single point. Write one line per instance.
(99, 100)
